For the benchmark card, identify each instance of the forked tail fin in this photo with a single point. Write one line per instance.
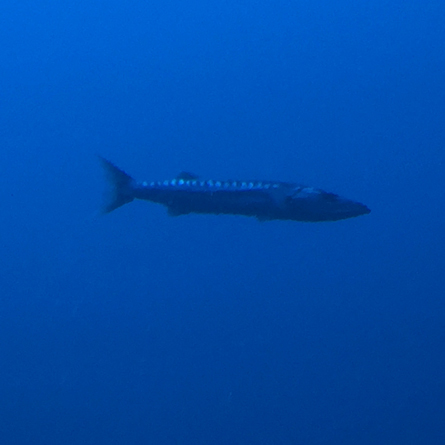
(122, 186)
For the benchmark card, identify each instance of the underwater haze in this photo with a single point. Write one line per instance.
(136, 327)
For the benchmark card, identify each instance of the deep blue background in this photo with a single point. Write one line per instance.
(139, 328)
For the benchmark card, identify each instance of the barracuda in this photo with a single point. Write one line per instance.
(265, 200)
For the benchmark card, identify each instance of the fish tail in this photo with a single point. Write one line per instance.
(122, 186)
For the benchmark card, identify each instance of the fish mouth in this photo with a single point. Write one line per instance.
(362, 208)
(326, 207)
(351, 209)
(342, 208)
(366, 210)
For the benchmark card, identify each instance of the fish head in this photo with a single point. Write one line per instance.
(311, 204)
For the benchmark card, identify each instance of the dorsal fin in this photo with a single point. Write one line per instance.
(187, 175)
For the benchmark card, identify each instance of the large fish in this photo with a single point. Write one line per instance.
(265, 200)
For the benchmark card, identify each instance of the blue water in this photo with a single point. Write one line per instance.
(139, 328)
